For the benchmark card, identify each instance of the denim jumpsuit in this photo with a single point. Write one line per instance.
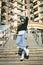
(21, 40)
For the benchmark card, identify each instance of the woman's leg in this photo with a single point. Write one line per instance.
(18, 40)
(23, 41)
(23, 45)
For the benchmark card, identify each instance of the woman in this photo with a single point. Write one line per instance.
(22, 37)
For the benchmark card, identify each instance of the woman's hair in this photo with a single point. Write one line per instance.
(24, 18)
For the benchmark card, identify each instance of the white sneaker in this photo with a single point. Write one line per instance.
(27, 51)
(22, 57)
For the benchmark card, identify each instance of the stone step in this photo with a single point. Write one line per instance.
(13, 56)
(14, 52)
(15, 49)
(35, 48)
(11, 52)
(22, 63)
(31, 58)
(8, 57)
(30, 54)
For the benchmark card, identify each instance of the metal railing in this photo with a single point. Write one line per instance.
(4, 34)
(38, 36)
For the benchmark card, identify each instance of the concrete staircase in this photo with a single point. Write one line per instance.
(8, 57)
(8, 53)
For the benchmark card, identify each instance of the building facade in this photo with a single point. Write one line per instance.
(0, 9)
(36, 15)
(17, 8)
(4, 12)
(36, 10)
(12, 10)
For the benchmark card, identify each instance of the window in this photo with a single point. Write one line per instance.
(10, 0)
(35, 3)
(31, 7)
(31, 1)
(35, 16)
(3, 11)
(3, 4)
(42, 20)
(32, 18)
(3, 17)
(41, 12)
(41, 5)
(11, 13)
(36, 9)
(41, 0)
(25, 1)
(31, 12)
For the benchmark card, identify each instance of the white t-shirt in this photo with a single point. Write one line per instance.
(21, 32)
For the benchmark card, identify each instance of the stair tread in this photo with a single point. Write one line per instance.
(8, 57)
(16, 58)
(12, 55)
(27, 62)
(39, 48)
